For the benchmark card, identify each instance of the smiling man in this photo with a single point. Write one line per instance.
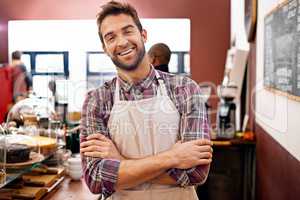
(144, 134)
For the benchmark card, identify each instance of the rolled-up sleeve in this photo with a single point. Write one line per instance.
(193, 125)
(100, 175)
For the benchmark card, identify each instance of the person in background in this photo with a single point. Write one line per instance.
(159, 56)
(60, 109)
(22, 82)
(144, 134)
(52, 88)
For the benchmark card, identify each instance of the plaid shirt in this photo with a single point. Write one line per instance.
(101, 174)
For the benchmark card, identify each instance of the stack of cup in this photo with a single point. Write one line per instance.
(74, 168)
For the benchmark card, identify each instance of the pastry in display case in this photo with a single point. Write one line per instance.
(45, 145)
(16, 153)
(26, 126)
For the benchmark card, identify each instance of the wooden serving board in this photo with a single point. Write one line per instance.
(39, 180)
(35, 184)
(43, 169)
(29, 193)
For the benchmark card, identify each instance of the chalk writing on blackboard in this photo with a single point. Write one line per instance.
(282, 48)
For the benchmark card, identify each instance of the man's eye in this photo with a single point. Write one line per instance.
(128, 31)
(110, 39)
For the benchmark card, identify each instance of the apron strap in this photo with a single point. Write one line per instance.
(117, 92)
(162, 90)
(162, 86)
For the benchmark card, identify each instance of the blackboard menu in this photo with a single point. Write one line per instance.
(282, 48)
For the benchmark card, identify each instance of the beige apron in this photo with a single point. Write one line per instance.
(142, 128)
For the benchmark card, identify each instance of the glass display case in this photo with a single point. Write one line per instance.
(27, 138)
(30, 111)
(16, 157)
(29, 122)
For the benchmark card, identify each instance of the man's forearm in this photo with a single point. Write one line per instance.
(164, 179)
(135, 172)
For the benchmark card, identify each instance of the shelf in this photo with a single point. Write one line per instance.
(12, 174)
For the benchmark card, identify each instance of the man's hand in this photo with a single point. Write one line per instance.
(99, 146)
(191, 154)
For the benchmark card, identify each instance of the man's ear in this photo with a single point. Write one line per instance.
(155, 61)
(144, 35)
(151, 59)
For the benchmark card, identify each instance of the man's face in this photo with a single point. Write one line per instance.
(123, 42)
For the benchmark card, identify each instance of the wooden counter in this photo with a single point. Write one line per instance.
(243, 152)
(234, 141)
(71, 190)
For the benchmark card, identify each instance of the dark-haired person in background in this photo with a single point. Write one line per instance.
(145, 133)
(22, 82)
(159, 56)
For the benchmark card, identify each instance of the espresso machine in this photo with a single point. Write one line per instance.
(226, 122)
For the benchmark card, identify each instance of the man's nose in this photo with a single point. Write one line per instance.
(122, 41)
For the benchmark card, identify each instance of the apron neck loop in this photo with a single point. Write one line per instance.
(162, 90)
(117, 92)
(161, 85)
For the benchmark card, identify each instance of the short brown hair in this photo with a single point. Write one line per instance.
(116, 8)
(16, 55)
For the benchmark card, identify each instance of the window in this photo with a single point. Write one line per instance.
(49, 63)
(187, 68)
(179, 62)
(45, 67)
(26, 60)
(99, 62)
(99, 69)
(173, 64)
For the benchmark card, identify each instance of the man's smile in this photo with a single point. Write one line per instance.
(126, 51)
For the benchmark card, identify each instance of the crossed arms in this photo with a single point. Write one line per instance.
(133, 172)
(106, 170)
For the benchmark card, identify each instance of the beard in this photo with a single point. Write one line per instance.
(132, 66)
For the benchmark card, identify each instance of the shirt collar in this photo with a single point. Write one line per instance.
(144, 84)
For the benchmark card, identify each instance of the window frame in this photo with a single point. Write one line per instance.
(33, 55)
(180, 61)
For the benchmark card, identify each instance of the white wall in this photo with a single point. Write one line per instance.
(237, 28)
(79, 36)
(237, 55)
(278, 115)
